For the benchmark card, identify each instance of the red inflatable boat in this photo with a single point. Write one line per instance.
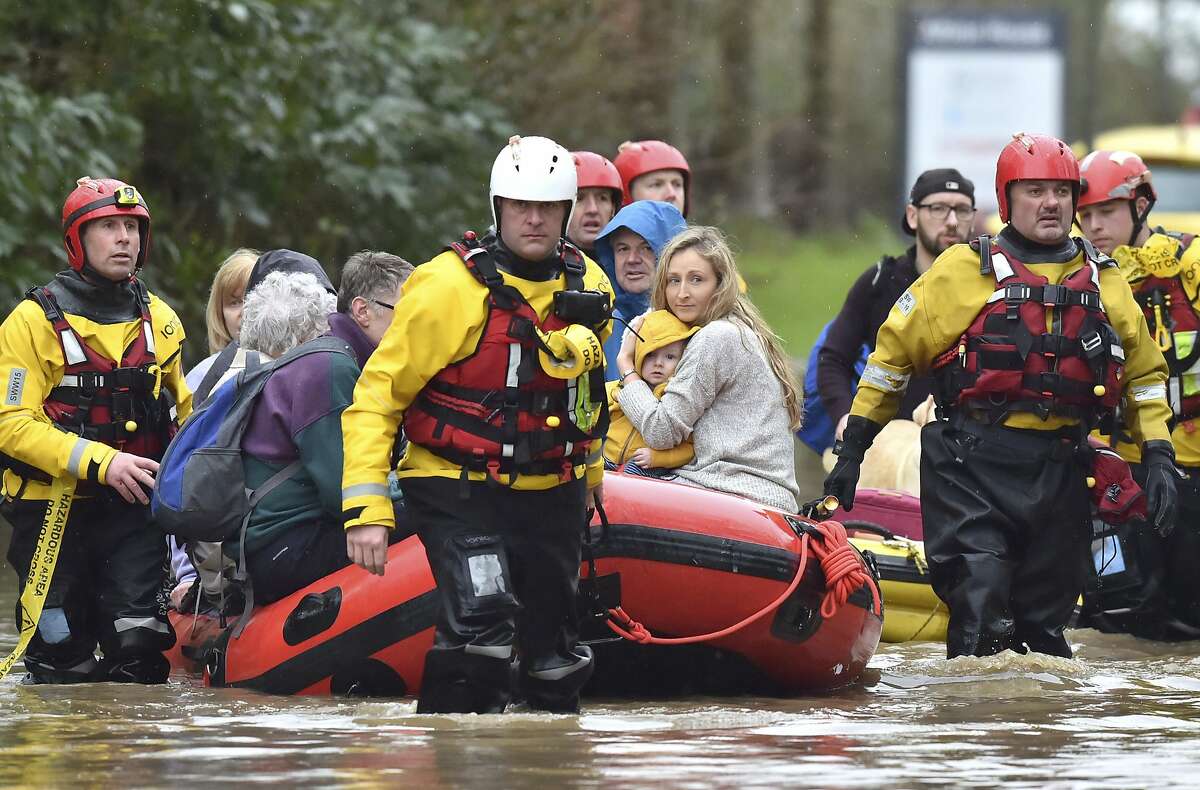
(749, 581)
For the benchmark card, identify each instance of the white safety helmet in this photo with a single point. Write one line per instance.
(533, 168)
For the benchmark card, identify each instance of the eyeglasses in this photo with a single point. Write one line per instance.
(940, 211)
(384, 304)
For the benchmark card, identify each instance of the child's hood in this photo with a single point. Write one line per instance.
(660, 328)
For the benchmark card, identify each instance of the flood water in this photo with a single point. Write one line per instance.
(1123, 714)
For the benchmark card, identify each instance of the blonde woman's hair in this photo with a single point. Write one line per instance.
(231, 277)
(728, 302)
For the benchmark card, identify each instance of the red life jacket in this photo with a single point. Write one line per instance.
(1175, 327)
(1007, 361)
(490, 411)
(106, 402)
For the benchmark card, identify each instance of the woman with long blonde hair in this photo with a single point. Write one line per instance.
(733, 393)
(224, 314)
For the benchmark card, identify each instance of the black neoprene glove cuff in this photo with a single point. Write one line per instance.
(856, 438)
(1158, 451)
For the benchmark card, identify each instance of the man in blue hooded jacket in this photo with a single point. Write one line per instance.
(628, 249)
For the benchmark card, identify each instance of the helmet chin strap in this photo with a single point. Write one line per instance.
(1139, 220)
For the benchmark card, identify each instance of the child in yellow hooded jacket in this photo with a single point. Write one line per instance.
(656, 355)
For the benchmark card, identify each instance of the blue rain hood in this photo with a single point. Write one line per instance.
(656, 222)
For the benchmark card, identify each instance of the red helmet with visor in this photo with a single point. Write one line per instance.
(94, 198)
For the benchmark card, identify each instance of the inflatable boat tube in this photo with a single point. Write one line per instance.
(686, 562)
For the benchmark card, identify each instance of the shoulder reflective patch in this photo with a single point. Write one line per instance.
(906, 303)
(885, 380)
(72, 351)
(1149, 392)
(1001, 267)
(16, 387)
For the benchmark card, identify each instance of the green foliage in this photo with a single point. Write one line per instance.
(47, 145)
(325, 126)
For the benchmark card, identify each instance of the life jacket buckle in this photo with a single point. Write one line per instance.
(89, 382)
(1017, 292)
(1055, 295)
(125, 378)
(1016, 295)
(1092, 344)
(1048, 383)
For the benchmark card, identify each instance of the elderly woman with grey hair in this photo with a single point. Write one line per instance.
(295, 533)
(284, 311)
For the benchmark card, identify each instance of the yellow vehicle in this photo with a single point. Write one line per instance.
(1172, 153)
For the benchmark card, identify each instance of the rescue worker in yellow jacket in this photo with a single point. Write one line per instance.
(94, 390)
(660, 344)
(1030, 337)
(1143, 582)
(492, 366)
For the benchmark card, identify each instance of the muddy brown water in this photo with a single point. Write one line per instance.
(1122, 714)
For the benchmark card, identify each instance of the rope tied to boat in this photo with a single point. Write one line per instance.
(844, 573)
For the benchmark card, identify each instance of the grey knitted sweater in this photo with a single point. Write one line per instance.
(725, 397)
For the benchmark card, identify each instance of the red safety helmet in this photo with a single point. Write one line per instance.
(594, 170)
(94, 198)
(1114, 175)
(645, 156)
(1034, 157)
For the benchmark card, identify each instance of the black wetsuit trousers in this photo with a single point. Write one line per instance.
(106, 590)
(1006, 518)
(506, 565)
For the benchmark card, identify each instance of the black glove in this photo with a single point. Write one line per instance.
(1162, 500)
(856, 438)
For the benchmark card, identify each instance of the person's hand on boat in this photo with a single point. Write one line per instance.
(643, 458)
(131, 476)
(366, 545)
(850, 450)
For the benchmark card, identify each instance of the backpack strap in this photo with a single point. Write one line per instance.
(242, 575)
(217, 369)
(879, 270)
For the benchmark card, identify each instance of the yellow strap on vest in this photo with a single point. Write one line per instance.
(41, 567)
(1162, 336)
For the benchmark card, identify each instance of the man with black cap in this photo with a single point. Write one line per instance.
(940, 213)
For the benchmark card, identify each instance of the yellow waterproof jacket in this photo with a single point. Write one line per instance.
(32, 364)
(932, 315)
(623, 439)
(1161, 256)
(439, 320)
